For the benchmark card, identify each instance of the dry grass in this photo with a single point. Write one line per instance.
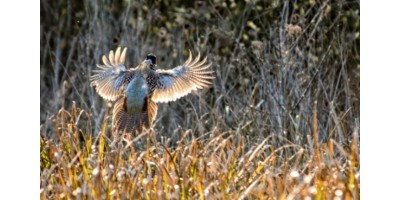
(281, 120)
(218, 165)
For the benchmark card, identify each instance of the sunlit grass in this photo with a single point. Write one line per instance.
(219, 165)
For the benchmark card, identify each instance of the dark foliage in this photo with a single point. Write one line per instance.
(272, 60)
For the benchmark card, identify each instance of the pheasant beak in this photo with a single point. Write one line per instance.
(152, 60)
(148, 62)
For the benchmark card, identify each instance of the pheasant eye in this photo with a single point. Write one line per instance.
(152, 58)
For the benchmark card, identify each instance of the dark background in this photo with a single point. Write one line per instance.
(272, 60)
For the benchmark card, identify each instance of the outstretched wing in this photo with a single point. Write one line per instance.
(181, 80)
(112, 76)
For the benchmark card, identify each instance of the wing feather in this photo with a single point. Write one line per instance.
(111, 77)
(112, 58)
(177, 82)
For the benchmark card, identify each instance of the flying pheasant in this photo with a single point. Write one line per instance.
(137, 90)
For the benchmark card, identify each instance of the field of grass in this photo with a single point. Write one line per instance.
(280, 121)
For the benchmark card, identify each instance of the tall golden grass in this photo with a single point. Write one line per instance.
(217, 165)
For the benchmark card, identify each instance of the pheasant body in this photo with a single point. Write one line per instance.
(136, 90)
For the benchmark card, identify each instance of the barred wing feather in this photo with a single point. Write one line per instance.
(177, 82)
(112, 76)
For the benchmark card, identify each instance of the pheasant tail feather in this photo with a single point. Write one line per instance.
(133, 123)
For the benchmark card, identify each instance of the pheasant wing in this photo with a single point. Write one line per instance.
(177, 82)
(112, 76)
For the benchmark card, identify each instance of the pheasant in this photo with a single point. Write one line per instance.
(137, 90)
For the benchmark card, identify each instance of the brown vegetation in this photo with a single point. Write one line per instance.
(280, 121)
